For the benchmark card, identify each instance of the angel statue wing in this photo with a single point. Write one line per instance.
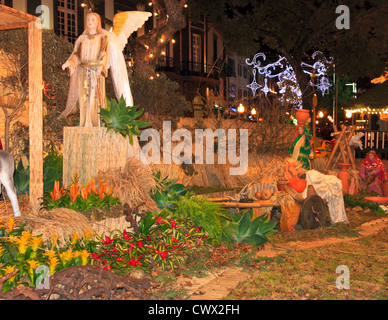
(124, 24)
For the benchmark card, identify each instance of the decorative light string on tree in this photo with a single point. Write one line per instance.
(368, 110)
(282, 70)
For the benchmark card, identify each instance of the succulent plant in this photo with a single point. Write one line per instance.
(122, 119)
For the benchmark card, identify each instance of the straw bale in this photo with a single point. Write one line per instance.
(61, 222)
(132, 184)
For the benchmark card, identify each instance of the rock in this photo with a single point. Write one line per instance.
(357, 209)
(367, 210)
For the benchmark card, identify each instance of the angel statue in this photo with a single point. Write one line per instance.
(95, 51)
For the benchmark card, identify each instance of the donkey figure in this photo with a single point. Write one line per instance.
(7, 168)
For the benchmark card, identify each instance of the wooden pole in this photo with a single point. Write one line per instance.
(35, 112)
(337, 144)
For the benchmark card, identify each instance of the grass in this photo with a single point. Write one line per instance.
(311, 274)
(307, 274)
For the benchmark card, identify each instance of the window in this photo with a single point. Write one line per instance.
(245, 72)
(196, 53)
(239, 70)
(67, 19)
(231, 68)
(215, 48)
(232, 91)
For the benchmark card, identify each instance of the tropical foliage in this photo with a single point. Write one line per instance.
(122, 119)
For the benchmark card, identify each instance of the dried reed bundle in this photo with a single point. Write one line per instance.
(172, 171)
(132, 184)
(61, 222)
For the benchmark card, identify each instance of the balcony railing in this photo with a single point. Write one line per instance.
(188, 68)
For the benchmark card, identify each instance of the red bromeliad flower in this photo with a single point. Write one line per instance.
(139, 244)
(96, 256)
(108, 240)
(173, 224)
(134, 263)
(159, 220)
(126, 236)
(113, 251)
(163, 254)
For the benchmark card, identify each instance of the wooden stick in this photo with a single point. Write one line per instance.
(334, 150)
(258, 204)
(342, 150)
(348, 149)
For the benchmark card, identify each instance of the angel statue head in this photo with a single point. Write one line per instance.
(93, 23)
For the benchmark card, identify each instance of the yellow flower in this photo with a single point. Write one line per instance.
(88, 234)
(53, 262)
(66, 256)
(50, 253)
(13, 239)
(84, 257)
(10, 223)
(36, 242)
(75, 237)
(54, 240)
(9, 269)
(26, 235)
(33, 265)
(1, 251)
(22, 245)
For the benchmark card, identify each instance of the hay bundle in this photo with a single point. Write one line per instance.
(132, 184)
(61, 222)
(172, 171)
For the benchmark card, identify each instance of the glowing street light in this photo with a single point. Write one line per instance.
(240, 109)
(253, 112)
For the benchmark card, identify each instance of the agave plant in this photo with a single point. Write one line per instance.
(244, 229)
(122, 119)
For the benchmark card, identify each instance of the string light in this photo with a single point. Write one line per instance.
(173, 41)
(150, 4)
(185, 5)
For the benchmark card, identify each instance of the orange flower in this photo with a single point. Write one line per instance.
(74, 192)
(58, 193)
(84, 193)
(93, 186)
(101, 192)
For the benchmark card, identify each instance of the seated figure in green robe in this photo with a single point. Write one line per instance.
(301, 147)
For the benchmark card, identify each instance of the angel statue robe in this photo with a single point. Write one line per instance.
(88, 69)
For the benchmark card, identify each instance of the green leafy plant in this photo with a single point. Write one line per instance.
(202, 212)
(22, 178)
(168, 191)
(358, 200)
(122, 119)
(52, 169)
(243, 229)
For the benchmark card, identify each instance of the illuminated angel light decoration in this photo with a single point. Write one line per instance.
(282, 70)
